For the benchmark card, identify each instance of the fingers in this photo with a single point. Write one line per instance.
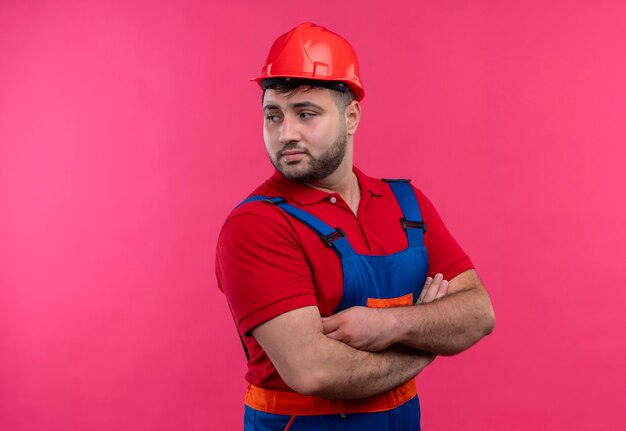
(434, 288)
(443, 289)
(329, 324)
(429, 281)
(335, 336)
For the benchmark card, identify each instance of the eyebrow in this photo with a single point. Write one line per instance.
(270, 107)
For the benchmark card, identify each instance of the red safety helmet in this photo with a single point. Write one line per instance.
(309, 51)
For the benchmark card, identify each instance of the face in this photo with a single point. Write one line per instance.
(305, 134)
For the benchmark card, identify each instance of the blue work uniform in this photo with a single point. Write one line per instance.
(375, 281)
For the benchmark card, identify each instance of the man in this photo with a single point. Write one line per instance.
(338, 281)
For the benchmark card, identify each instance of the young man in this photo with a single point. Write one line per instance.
(338, 281)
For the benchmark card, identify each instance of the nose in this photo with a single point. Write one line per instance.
(289, 131)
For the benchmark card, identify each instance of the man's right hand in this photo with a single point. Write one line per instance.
(374, 329)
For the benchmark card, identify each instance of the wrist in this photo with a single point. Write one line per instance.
(393, 325)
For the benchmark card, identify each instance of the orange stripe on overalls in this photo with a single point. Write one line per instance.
(293, 403)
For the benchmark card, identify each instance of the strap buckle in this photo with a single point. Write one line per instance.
(396, 180)
(412, 224)
(330, 238)
(276, 200)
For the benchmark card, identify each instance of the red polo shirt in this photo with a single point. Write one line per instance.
(269, 263)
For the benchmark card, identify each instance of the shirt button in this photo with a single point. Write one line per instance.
(333, 199)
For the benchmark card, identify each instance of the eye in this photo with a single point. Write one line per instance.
(307, 115)
(272, 118)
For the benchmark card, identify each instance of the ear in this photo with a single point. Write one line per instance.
(352, 117)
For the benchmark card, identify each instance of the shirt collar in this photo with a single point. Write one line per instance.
(372, 185)
(307, 195)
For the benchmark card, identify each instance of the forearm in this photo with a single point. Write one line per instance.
(343, 372)
(313, 364)
(449, 318)
(444, 327)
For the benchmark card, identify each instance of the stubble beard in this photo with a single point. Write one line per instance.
(318, 168)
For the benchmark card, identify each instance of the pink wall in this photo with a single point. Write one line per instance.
(128, 131)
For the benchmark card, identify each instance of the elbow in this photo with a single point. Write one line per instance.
(309, 370)
(303, 383)
(307, 380)
(488, 321)
(483, 326)
(484, 319)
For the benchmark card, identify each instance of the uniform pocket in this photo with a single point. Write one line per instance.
(390, 302)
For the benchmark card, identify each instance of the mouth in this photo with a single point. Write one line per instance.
(292, 155)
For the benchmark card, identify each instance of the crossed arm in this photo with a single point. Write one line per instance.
(313, 364)
(453, 322)
(361, 351)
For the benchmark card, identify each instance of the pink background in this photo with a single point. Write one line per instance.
(128, 130)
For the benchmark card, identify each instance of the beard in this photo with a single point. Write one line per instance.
(317, 168)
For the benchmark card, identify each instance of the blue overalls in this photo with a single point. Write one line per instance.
(374, 281)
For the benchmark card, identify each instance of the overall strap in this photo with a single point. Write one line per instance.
(334, 238)
(412, 221)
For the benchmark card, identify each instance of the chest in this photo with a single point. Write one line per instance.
(376, 230)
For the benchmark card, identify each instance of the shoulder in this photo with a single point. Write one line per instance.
(251, 224)
(256, 209)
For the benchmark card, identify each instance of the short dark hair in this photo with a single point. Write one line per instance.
(339, 90)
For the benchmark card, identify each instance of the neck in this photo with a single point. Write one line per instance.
(344, 182)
